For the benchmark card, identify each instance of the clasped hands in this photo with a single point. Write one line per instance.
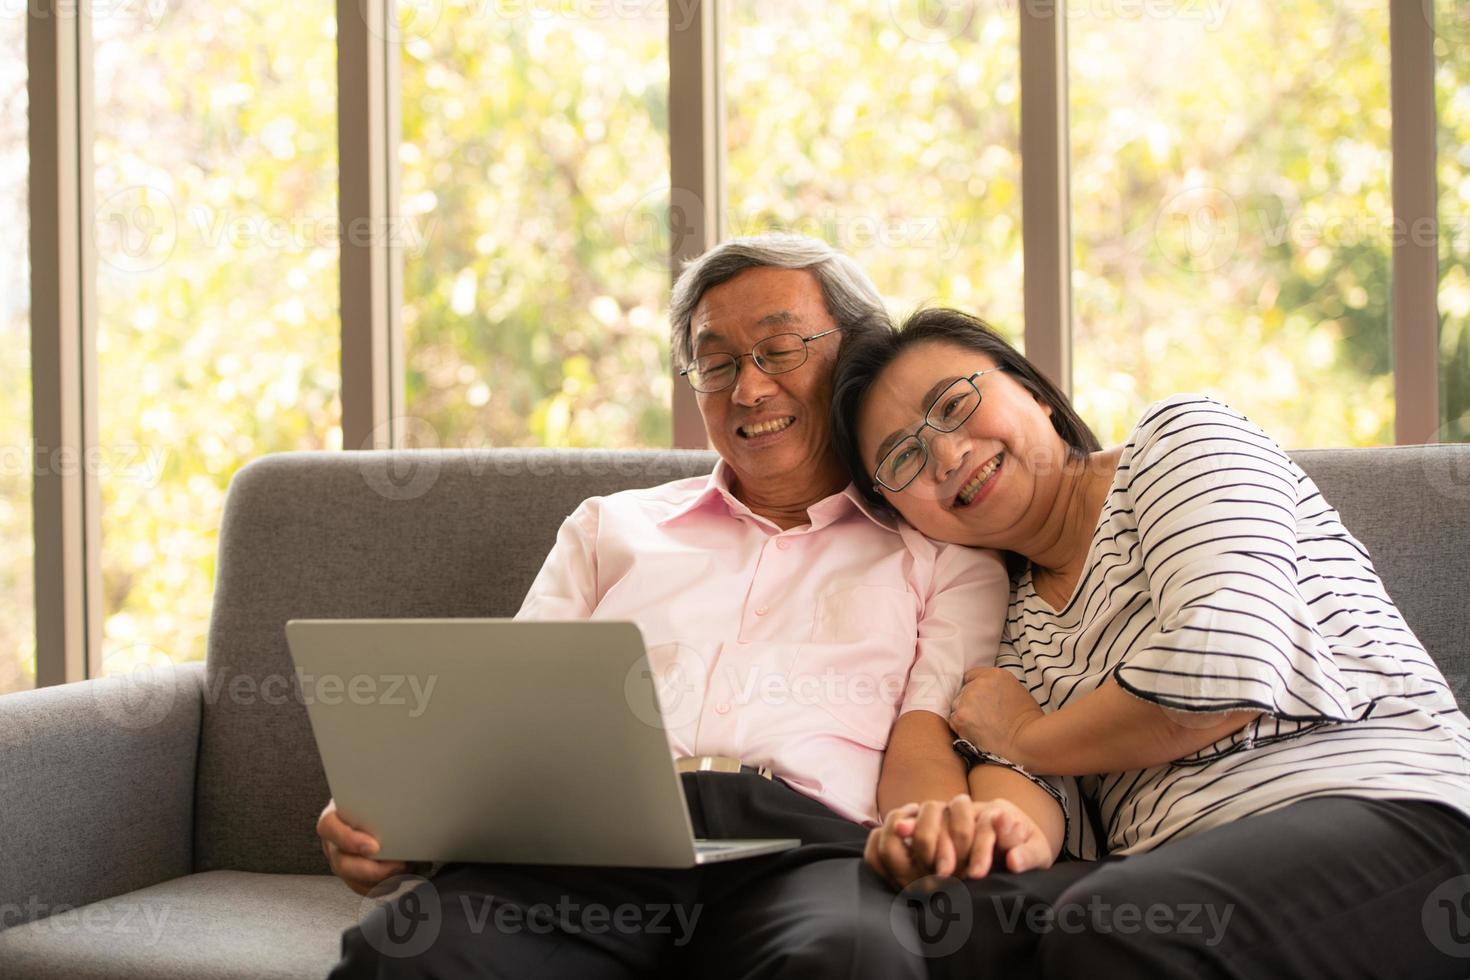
(964, 837)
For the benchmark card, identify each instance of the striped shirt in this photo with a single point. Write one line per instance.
(1219, 578)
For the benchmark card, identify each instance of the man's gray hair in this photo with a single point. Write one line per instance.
(852, 299)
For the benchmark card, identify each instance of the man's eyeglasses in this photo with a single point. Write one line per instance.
(905, 461)
(774, 355)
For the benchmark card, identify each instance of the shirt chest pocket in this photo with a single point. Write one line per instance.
(862, 612)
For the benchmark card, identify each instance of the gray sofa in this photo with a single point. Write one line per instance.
(163, 825)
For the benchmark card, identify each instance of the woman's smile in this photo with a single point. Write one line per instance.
(980, 483)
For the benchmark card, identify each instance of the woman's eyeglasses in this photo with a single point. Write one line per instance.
(902, 464)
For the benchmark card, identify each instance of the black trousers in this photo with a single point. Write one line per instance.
(1330, 887)
(812, 912)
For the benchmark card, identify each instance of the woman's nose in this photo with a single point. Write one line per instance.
(947, 450)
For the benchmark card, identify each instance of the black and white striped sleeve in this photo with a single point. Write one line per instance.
(1214, 499)
(1079, 838)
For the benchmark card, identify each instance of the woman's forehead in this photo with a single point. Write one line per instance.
(911, 374)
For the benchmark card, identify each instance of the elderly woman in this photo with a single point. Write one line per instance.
(1278, 770)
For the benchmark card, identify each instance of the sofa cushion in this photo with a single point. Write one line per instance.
(210, 926)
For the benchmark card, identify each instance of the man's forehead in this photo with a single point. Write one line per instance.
(726, 321)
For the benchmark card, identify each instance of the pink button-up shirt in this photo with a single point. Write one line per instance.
(792, 649)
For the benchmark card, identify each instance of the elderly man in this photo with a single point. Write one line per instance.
(795, 635)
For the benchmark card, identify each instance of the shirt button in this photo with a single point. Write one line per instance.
(762, 610)
(783, 544)
(723, 708)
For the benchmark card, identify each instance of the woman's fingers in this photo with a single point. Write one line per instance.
(960, 827)
(1033, 854)
(927, 833)
(982, 851)
(1012, 827)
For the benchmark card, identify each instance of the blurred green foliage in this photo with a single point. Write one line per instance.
(1229, 202)
(17, 601)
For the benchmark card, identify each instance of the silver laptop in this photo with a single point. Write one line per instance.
(491, 740)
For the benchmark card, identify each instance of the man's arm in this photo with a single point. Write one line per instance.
(920, 763)
(964, 612)
(566, 586)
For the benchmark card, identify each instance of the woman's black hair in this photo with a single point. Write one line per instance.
(859, 364)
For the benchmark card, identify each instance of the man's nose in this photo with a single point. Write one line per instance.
(752, 385)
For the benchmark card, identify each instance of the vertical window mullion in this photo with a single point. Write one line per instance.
(1415, 320)
(696, 166)
(371, 276)
(1046, 238)
(63, 360)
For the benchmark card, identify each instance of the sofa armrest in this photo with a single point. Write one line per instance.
(96, 789)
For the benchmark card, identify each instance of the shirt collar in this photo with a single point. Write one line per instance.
(716, 492)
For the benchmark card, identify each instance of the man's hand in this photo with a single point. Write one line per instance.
(992, 709)
(351, 851)
(963, 837)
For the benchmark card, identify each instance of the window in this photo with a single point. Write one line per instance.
(1232, 215)
(534, 146)
(889, 132)
(1231, 219)
(17, 601)
(217, 332)
(1452, 84)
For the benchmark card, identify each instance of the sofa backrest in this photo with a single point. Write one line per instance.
(422, 533)
(1410, 507)
(461, 533)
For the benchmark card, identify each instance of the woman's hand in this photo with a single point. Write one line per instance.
(963, 837)
(992, 710)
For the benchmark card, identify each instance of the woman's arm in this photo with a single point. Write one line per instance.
(1000, 783)
(1106, 730)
